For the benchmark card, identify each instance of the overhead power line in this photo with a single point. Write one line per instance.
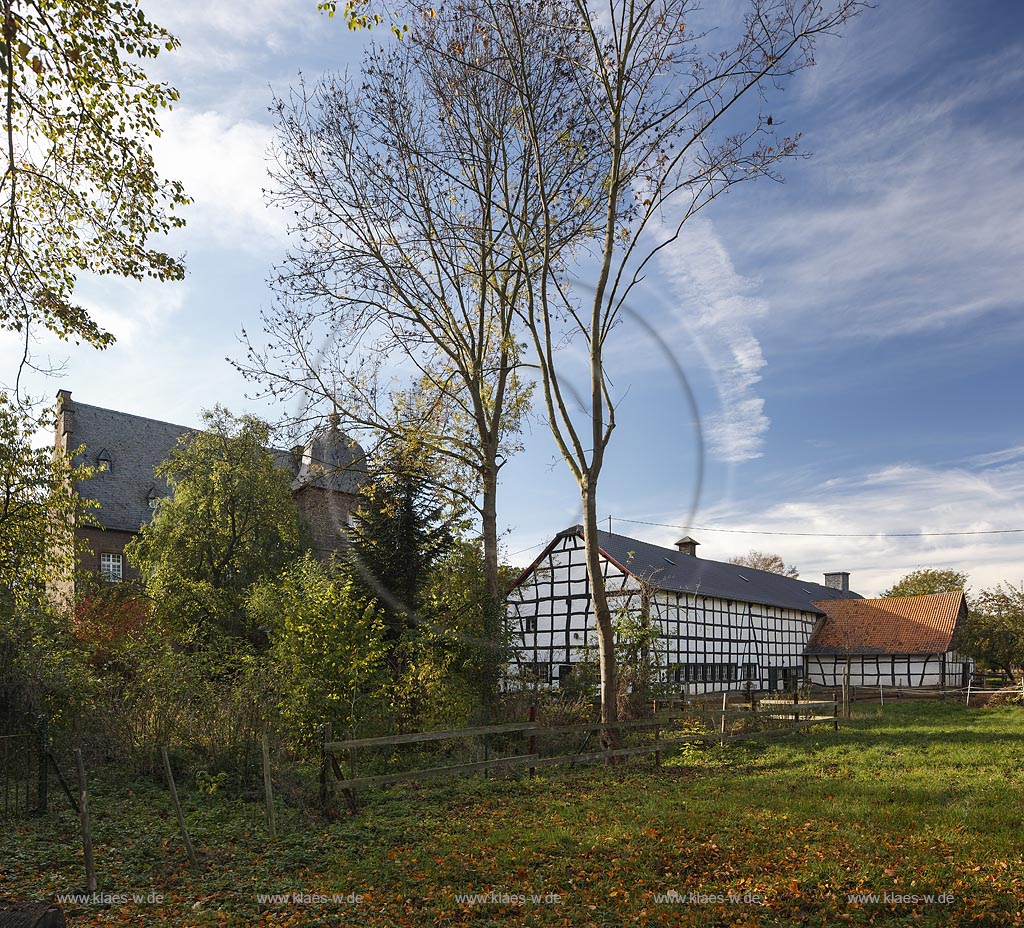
(749, 531)
(539, 544)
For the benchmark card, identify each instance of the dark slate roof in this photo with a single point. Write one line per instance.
(670, 570)
(332, 461)
(135, 445)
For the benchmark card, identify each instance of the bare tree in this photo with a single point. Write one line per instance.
(765, 560)
(405, 280)
(671, 138)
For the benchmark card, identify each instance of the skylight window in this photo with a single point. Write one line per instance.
(670, 561)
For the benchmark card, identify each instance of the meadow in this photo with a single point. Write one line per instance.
(909, 814)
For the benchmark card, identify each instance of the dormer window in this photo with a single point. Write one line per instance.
(152, 498)
(104, 462)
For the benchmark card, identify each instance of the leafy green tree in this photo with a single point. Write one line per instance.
(928, 580)
(38, 510)
(402, 528)
(462, 656)
(765, 560)
(230, 522)
(39, 659)
(78, 187)
(327, 638)
(994, 633)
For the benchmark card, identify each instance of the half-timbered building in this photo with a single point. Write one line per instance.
(896, 641)
(720, 626)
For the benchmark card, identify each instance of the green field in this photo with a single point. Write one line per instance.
(921, 798)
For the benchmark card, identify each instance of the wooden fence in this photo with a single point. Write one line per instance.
(20, 793)
(976, 686)
(792, 715)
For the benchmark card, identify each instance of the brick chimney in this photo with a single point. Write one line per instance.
(688, 545)
(840, 580)
(65, 421)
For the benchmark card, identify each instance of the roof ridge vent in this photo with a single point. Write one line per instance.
(688, 545)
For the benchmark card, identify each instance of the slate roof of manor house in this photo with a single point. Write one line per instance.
(135, 445)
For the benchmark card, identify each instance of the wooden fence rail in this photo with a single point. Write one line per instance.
(793, 714)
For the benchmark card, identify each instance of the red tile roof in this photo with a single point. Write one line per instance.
(896, 625)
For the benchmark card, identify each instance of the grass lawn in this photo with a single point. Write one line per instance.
(919, 798)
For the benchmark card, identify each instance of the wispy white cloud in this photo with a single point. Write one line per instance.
(219, 38)
(1004, 456)
(137, 313)
(719, 306)
(914, 500)
(222, 163)
(912, 219)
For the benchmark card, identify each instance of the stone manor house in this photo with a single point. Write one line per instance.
(326, 475)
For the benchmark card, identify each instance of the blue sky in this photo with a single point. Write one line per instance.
(853, 335)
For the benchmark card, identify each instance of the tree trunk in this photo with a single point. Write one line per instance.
(493, 644)
(603, 617)
(489, 520)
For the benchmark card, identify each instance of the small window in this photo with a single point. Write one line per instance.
(104, 461)
(564, 672)
(152, 498)
(530, 623)
(110, 567)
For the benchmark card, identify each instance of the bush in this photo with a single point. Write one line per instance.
(327, 643)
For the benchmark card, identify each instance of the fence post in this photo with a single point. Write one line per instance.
(268, 787)
(725, 696)
(970, 680)
(83, 813)
(189, 849)
(325, 737)
(532, 744)
(657, 742)
(42, 806)
(835, 711)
